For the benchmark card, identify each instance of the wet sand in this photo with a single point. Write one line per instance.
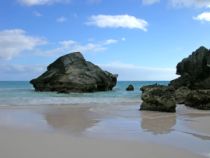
(23, 144)
(103, 131)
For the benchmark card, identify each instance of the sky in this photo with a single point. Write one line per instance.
(136, 39)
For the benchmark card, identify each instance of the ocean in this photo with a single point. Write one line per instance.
(14, 93)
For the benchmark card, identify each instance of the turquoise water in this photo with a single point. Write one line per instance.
(22, 93)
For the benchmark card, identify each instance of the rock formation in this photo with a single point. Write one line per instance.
(72, 73)
(130, 88)
(194, 71)
(158, 98)
(193, 85)
(192, 88)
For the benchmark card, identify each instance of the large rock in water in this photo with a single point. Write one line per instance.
(158, 98)
(72, 73)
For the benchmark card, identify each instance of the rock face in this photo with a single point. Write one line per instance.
(158, 98)
(194, 71)
(72, 73)
(130, 88)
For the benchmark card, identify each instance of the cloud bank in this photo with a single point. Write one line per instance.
(16, 41)
(74, 46)
(138, 73)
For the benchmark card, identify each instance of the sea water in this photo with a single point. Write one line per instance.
(14, 93)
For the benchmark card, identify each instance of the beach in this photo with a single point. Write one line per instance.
(104, 79)
(102, 124)
(89, 130)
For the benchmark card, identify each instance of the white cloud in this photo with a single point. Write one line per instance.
(61, 19)
(109, 41)
(16, 41)
(117, 21)
(205, 16)
(150, 2)
(190, 3)
(134, 72)
(41, 2)
(38, 14)
(74, 46)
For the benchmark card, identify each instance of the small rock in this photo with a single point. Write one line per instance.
(130, 88)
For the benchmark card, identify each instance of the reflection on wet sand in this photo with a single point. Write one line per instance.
(196, 120)
(157, 123)
(71, 120)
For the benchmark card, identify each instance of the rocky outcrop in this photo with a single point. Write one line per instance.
(72, 73)
(193, 85)
(158, 98)
(194, 71)
(130, 88)
(192, 88)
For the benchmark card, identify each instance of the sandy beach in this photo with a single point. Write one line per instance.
(89, 131)
(24, 144)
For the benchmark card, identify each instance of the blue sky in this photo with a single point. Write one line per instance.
(138, 39)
